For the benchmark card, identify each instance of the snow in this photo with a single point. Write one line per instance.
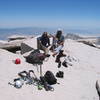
(78, 82)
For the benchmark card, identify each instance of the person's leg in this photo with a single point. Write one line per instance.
(57, 50)
(45, 49)
(41, 47)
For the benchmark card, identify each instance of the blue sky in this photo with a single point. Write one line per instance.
(80, 14)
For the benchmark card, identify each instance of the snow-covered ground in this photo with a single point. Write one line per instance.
(78, 82)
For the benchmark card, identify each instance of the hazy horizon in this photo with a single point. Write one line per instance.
(5, 32)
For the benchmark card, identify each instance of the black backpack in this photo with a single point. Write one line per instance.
(35, 57)
(50, 78)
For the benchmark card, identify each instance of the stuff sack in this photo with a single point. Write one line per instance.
(60, 74)
(35, 57)
(50, 78)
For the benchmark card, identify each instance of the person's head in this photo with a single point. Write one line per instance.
(58, 34)
(45, 34)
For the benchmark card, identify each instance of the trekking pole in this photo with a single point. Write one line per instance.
(98, 89)
(40, 70)
(31, 71)
(38, 83)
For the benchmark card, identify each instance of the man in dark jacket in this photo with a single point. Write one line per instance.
(43, 42)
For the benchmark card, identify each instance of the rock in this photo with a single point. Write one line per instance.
(25, 45)
(25, 48)
(17, 37)
(29, 45)
(12, 46)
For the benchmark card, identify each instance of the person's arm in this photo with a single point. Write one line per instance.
(48, 42)
(62, 40)
(39, 40)
(51, 36)
(62, 43)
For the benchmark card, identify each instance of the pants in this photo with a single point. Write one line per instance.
(58, 48)
(41, 47)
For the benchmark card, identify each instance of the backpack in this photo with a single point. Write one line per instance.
(35, 57)
(50, 78)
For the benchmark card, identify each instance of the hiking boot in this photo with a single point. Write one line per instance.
(57, 59)
(59, 64)
(65, 64)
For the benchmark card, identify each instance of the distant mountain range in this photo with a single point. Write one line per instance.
(73, 36)
(23, 31)
(4, 32)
